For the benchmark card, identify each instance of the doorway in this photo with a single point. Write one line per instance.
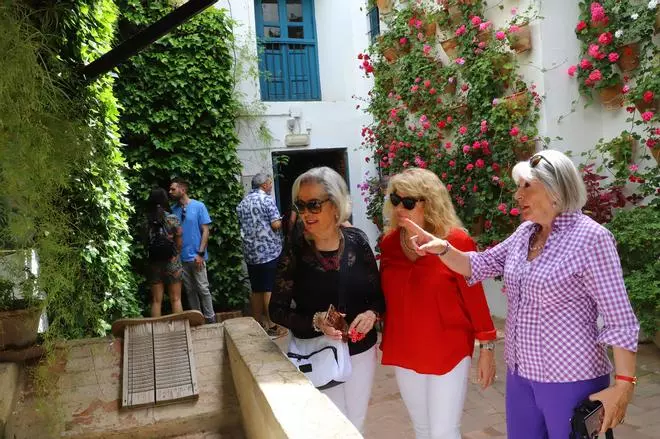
(288, 165)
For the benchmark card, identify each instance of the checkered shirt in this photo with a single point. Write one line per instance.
(554, 300)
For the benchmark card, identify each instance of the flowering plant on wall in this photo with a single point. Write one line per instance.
(458, 108)
(615, 39)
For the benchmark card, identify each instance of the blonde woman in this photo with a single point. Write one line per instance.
(433, 316)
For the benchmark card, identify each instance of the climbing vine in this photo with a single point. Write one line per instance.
(179, 121)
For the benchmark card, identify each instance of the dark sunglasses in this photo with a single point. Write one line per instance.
(313, 206)
(183, 214)
(536, 159)
(408, 202)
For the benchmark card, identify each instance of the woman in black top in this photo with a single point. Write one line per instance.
(307, 282)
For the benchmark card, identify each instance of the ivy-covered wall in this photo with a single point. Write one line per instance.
(85, 270)
(178, 120)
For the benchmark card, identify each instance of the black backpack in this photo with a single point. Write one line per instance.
(161, 247)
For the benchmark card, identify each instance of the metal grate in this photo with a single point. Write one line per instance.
(158, 363)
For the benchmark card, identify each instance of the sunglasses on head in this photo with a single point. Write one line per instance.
(536, 159)
(408, 202)
(313, 206)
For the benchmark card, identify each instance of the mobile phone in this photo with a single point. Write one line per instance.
(593, 421)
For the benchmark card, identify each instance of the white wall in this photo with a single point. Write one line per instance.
(335, 122)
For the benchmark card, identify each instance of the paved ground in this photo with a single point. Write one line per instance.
(483, 415)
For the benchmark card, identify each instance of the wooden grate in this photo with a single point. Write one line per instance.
(159, 365)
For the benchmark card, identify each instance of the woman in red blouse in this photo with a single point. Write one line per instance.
(432, 316)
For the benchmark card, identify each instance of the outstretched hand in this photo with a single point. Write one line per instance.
(422, 241)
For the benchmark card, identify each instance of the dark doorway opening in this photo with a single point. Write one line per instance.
(288, 165)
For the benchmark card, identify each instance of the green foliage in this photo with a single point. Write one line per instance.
(637, 233)
(61, 165)
(179, 120)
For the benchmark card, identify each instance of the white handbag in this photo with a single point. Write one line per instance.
(324, 361)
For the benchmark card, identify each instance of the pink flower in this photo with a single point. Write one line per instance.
(466, 149)
(460, 61)
(514, 131)
(403, 41)
(480, 163)
(524, 139)
(513, 28)
(648, 96)
(419, 162)
(647, 115)
(496, 101)
(585, 64)
(432, 91)
(514, 11)
(448, 145)
(405, 164)
(426, 49)
(605, 38)
(485, 25)
(475, 20)
(475, 188)
(488, 224)
(484, 127)
(461, 30)
(452, 163)
(613, 57)
(476, 145)
(572, 70)
(514, 212)
(469, 166)
(595, 76)
(502, 208)
(625, 89)
(418, 80)
(580, 26)
(500, 35)
(495, 167)
(427, 83)
(414, 88)
(594, 50)
(462, 129)
(633, 168)
(597, 12)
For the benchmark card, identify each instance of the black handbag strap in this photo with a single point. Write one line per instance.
(343, 266)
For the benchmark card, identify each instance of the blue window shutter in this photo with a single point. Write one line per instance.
(288, 66)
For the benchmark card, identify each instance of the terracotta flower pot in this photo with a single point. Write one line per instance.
(521, 41)
(643, 106)
(517, 104)
(390, 54)
(620, 156)
(657, 21)
(450, 88)
(429, 29)
(523, 151)
(611, 97)
(385, 6)
(18, 328)
(628, 57)
(655, 152)
(484, 36)
(450, 47)
(462, 112)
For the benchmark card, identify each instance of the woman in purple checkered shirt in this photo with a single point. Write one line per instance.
(561, 270)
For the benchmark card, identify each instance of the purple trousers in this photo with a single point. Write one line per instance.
(537, 410)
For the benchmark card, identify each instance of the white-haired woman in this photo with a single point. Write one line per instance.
(433, 316)
(309, 275)
(561, 270)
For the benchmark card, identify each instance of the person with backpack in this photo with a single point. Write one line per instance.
(164, 248)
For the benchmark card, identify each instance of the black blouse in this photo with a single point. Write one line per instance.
(307, 282)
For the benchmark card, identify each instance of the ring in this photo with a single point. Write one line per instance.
(621, 421)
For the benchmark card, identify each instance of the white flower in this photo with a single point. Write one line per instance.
(618, 33)
(653, 4)
(634, 16)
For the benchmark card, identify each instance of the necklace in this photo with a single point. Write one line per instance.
(539, 245)
(404, 241)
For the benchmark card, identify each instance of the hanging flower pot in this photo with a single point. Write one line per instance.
(450, 88)
(390, 54)
(521, 40)
(611, 97)
(643, 106)
(655, 152)
(628, 57)
(462, 112)
(450, 47)
(523, 151)
(385, 6)
(429, 29)
(518, 103)
(483, 36)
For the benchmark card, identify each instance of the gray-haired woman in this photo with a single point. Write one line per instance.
(561, 270)
(309, 274)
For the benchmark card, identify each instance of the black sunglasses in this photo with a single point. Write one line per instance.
(536, 159)
(183, 213)
(408, 202)
(314, 206)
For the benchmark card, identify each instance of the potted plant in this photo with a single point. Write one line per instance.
(632, 29)
(20, 305)
(518, 31)
(644, 93)
(637, 232)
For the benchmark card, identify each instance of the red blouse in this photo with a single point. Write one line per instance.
(432, 317)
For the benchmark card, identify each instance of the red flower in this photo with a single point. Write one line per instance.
(495, 167)
(613, 57)
(572, 70)
(514, 131)
(648, 96)
(585, 64)
(595, 76)
(442, 124)
(605, 38)
(514, 212)
(427, 83)
(647, 115)
(432, 91)
(502, 208)
(580, 26)
(488, 224)
(469, 166)
(479, 163)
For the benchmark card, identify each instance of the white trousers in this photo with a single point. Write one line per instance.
(435, 402)
(352, 397)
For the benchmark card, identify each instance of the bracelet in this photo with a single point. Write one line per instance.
(626, 378)
(489, 346)
(444, 252)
